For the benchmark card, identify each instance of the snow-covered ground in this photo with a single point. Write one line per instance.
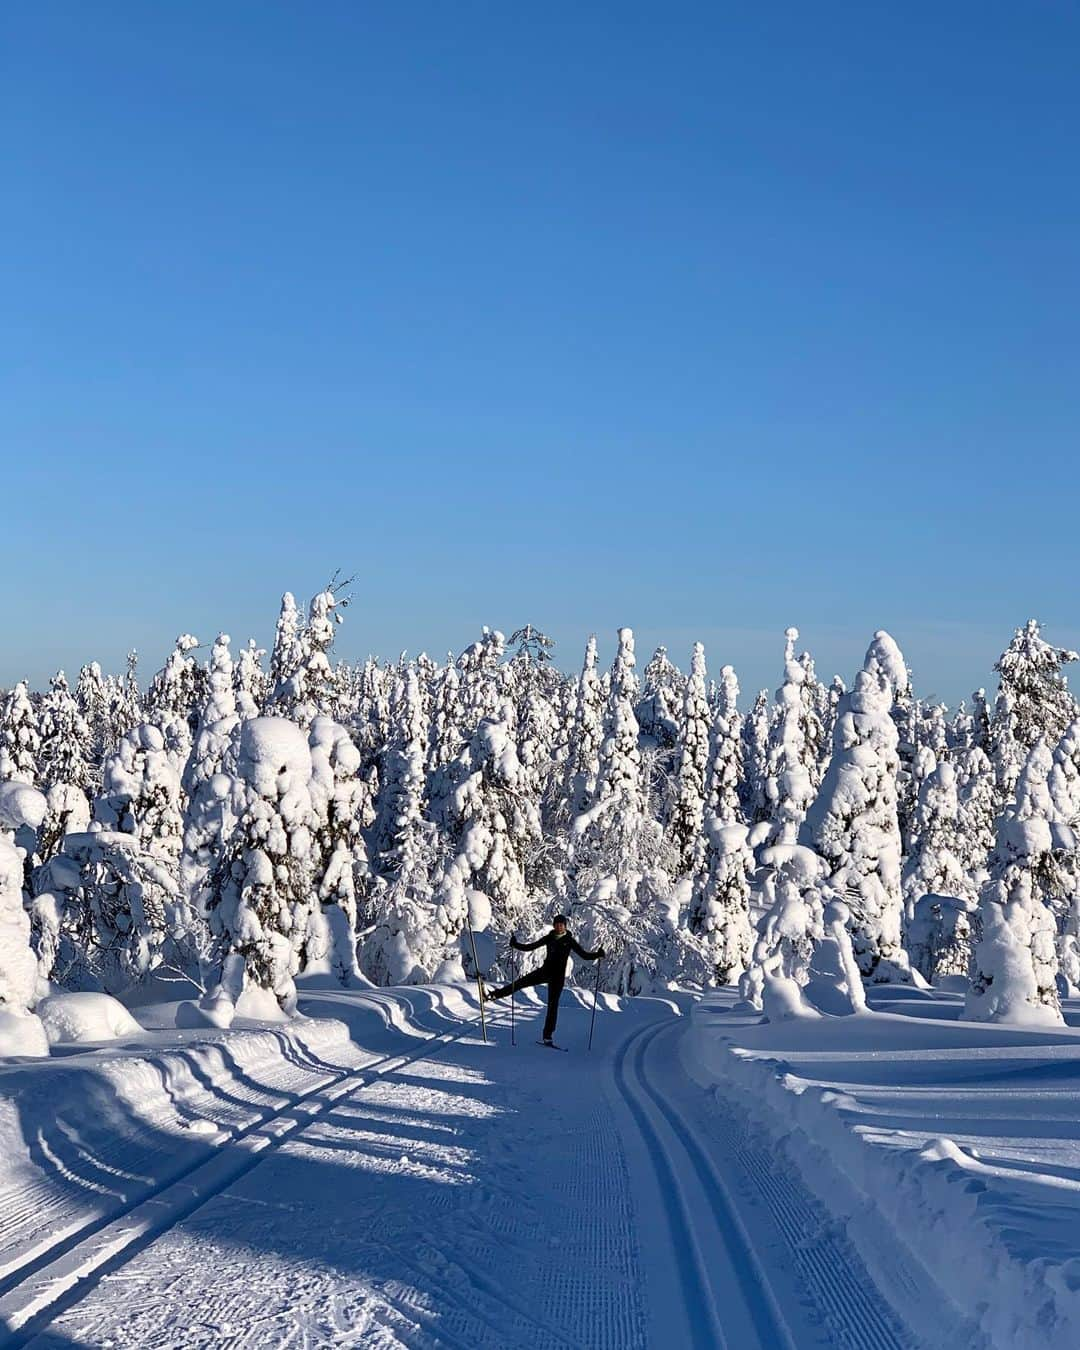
(374, 1174)
(949, 1151)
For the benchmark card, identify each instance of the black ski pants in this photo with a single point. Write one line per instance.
(555, 985)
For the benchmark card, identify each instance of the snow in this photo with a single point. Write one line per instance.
(947, 1150)
(72, 1019)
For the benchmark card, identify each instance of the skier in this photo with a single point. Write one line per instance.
(560, 942)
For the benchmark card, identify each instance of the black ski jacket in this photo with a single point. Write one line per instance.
(558, 952)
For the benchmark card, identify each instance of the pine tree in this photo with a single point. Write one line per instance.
(691, 764)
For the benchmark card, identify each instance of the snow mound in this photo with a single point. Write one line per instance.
(21, 805)
(22, 1035)
(73, 1019)
(213, 1011)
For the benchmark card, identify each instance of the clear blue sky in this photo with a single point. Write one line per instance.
(703, 318)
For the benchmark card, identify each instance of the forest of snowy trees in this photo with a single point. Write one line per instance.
(245, 820)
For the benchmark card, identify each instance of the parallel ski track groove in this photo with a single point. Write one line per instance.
(764, 1315)
(850, 1311)
(338, 1085)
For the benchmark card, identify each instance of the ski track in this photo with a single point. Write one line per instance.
(459, 1195)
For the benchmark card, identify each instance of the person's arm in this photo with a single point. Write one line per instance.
(589, 956)
(527, 946)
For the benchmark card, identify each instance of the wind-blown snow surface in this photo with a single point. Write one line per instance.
(949, 1151)
(377, 1175)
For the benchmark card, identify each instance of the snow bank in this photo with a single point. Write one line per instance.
(72, 1019)
(949, 1143)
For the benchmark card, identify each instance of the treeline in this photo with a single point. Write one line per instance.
(249, 818)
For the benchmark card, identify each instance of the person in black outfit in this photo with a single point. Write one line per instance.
(560, 942)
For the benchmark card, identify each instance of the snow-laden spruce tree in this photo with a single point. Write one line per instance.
(248, 865)
(720, 903)
(489, 820)
(21, 1033)
(448, 735)
(216, 719)
(92, 698)
(251, 684)
(691, 766)
(173, 699)
(401, 793)
(481, 687)
(125, 702)
(977, 798)
(791, 763)
(1033, 703)
(657, 710)
(853, 825)
(725, 768)
(64, 756)
(816, 721)
(20, 736)
(583, 761)
(934, 866)
(342, 808)
(286, 654)
(792, 922)
(1014, 968)
(755, 733)
(141, 794)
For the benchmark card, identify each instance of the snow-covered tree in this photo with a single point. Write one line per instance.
(691, 765)
(20, 736)
(1033, 703)
(853, 823)
(343, 808)
(939, 936)
(792, 923)
(657, 711)
(791, 762)
(248, 864)
(21, 1033)
(217, 717)
(401, 793)
(141, 794)
(65, 738)
(977, 813)
(1014, 969)
(173, 699)
(755, 733)
(934, 867)
(490, 820)
(725, 769)
(103, 911)
(250, 682)
(583, 761)
(720, 906)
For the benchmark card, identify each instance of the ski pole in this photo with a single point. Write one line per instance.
(513, 978)
(476, 967)
(596, 995)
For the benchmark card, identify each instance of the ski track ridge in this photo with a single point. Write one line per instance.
(825, 1261)
(24, 1312)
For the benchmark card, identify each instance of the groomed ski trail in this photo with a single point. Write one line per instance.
(469, 1195)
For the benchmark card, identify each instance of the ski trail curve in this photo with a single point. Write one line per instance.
(725, 1300)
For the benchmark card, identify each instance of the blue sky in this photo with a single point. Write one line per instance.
(706, 319)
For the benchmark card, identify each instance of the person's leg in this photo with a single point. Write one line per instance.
(523, 982)
(555, 988)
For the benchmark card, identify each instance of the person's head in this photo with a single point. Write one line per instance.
(559, 923)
